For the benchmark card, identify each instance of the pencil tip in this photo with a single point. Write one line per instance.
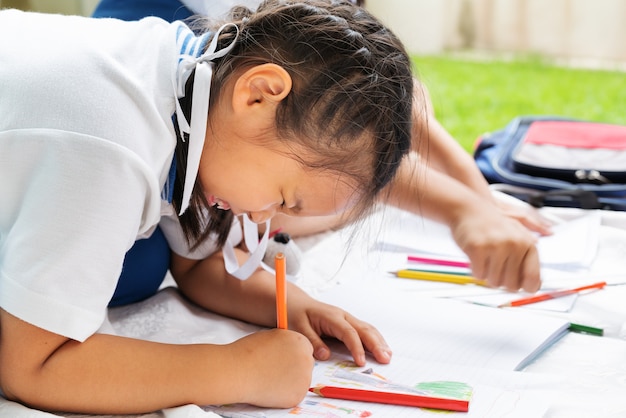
(316, 390)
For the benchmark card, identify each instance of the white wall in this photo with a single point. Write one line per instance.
(420, 24)
(582, 32)
(574, 30)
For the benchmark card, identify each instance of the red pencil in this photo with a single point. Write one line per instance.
(551, 295)
(393, 398)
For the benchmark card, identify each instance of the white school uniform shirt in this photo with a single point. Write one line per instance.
(86, 145)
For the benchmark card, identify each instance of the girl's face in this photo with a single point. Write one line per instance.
(240, 172)
(248, 178)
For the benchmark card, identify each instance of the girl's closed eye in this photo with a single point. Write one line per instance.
(284, 208)
(290, 208)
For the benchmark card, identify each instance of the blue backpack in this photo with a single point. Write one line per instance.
(554, 161)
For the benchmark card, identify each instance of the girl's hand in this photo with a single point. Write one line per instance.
(207, 284)
(275, 368)
(523, 213)
(316, 320)
(501, 250)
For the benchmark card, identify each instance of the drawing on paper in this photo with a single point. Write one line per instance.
(327, 410)
(346, 373)
(446, 389)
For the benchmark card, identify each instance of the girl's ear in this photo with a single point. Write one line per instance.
(261, 88)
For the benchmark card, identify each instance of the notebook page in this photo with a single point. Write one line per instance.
(494, 394)
(445, 330)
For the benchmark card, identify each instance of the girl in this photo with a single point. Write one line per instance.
(310, 114)
(450, 189)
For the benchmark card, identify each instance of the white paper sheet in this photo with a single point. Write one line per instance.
(572, 246)
(495, 394)
(594, 384)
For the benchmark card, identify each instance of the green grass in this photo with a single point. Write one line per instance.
(473, 97)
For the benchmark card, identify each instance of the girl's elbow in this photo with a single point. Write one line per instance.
(24, 350)
(13, 383)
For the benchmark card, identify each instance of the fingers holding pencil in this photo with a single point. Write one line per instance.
(315, 319)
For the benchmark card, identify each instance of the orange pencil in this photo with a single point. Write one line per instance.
(406, 399)
(551, 295)
(281, 290)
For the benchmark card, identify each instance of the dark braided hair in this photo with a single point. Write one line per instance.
(350, 103)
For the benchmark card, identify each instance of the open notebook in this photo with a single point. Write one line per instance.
(435, 342)
(446, 330)
(491, 394)
(439, 343)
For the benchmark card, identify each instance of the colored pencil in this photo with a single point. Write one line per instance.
(551, 295)
(452, 272)
(438, 261)
(281, 290)
(586, 329)
(392, 398)
(439, 277)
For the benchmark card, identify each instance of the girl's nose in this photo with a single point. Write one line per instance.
(261, 216)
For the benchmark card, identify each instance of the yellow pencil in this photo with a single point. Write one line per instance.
(439, 277)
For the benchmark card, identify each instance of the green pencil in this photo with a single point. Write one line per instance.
(586, 329)
(454, 273)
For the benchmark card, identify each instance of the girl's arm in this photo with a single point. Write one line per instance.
(206, 283)
(441, 152)
(498, 241)
(500, 249)
(116, 375)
